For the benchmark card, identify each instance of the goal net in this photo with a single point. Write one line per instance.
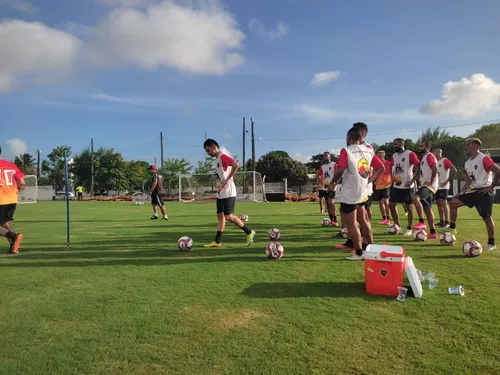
(29, 194)
(203, 187)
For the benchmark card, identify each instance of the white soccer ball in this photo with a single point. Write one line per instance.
(420, 235)
(447, 239)
(344, 232)
(274, 233)
(393, 229)
(472, 248)
(274, 250)
(185, 243)
(244, 218)
(325, 222)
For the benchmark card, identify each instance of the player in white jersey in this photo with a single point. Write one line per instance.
(354, 169)
(402, 162)
(225, 168)
(369, 189)
(479, 189)
(446, 171)
(428, 182)
(325, 174)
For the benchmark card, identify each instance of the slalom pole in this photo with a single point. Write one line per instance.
(67, 199)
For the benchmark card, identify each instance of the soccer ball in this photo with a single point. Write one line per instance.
(344, 232)
(244, 218)
(420, 235)
(325, 222)
(447, 239)
(393, 229)
(274, 250)
(472, 248)
(185, 243)
(274, 233)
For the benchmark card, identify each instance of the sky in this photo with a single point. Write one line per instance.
(122, 71)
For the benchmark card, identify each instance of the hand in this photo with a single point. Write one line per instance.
(331, 188)
(485, 190)
(223, 184)
(443, 184)
(426, 183)
(408, 184)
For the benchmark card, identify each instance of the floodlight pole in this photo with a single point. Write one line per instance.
(67, 198)
(244, 177)
(161, 151)
(92, 167)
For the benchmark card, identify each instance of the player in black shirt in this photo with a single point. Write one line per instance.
(157, 194)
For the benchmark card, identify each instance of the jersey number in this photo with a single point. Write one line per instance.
(7, 177)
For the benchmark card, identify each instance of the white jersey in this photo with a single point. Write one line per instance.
(327, 171)
(223, 169)
(403, 169)
(444, 173)
(355, 178)
(478, 176)
(369, 187)
(428, 160)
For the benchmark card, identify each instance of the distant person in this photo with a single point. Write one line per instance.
(79, 191)
(157, 194)
(325, 174)
(382, 189)
(483, 176)
(225, 168)
(11, 182)
(446, 172)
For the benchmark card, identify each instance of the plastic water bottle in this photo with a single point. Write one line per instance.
(459, 290)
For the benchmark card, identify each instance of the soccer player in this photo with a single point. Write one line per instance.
(325, 174)
(225, 169)
(363, 128)
(354, 166)
(428, 177)
(402, 164)
(11, 182)
(446, 171)
(479, 189)
(157, 194)
(382, 188)
(79, 191)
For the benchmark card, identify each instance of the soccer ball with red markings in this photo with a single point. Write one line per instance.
(393, 229)
(274, 250)
(274, 233)
(325, 222)
(447, 239)
(185, 243)
(420, 235)
(472, 248)
(244, 218)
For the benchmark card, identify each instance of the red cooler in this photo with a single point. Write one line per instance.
(384, 269)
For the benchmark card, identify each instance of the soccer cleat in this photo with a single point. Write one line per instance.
(335, 224)
(408, 233)
(164, 218)
(420, 226)
(338, 235)
(388, 222)
(15, 244)
(250, 238)
(355, 257)
(449, 230)
(344, 246)
(489, 247)
(432, 236)
(382, 222)
(154, 217)
(213, 244)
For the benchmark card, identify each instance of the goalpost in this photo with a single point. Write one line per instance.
(29, 194)
(203, 187)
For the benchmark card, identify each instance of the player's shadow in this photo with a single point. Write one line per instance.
(303, 290)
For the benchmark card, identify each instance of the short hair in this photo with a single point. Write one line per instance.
(210, 143)
(399, 140)
(475, 140)
(426, 142)
(326, 153)
(354, 133)
(437, 149)
(380, 152)
(361, 125)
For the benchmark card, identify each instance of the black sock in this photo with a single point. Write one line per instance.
(335, 218)
(446, 223)
(218, 237)
(452, 225)
(433, 231)
(408, 227)
(359, 252)
(491, 241)
(246, 229)
(331, 217)
(349, 242)
(441, 222)
(420, 220)
(364, 246)
(10, 235)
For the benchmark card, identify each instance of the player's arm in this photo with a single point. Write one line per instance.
(317, 178)
(155, 182)
(416, 168)
(229, 162)
(432, 162)
(339, 171)
(453, 170)
(491, 167)
(391, 172)
(19, 179)
(377, 168)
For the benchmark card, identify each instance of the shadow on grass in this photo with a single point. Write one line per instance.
(443, 256)
(300, 290)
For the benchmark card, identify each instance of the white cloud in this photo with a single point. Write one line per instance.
(77, 29)
(124, 3)
(201, 39)
(301, 157)
(15, 147)
(468, 97)
(258, 28)
(324, 78)
(19, 5)
(35, 50)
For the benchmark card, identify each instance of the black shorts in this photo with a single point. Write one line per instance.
(80, 195)
(7, 213)
(442, 194)
(382, 194)
(368, 202)
(425, 195)
(347, 208)
(157, 199)
(401, 195)
(226, 205)
(482, 202)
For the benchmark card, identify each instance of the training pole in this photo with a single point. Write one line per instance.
(67, 198)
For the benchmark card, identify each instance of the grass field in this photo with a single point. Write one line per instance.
(124, 300)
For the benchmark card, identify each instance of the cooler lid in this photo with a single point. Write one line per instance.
(384, 253)
(411, 273)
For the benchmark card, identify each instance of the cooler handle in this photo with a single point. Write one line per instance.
(385, 254)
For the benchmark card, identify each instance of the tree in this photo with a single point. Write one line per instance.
(136, 175)
(54, 166)
(489, 135)
(275, 165)
(298, 175)
(317, 161)
(205, 166)
(109, 173)
(435, 135)
(171, 169)
(82, 169)
(26, 163)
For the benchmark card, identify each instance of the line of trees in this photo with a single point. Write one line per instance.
(113, 172)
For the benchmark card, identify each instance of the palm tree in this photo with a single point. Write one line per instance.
(26, 163)
(435, 135)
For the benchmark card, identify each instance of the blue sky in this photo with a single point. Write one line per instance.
(121, 71)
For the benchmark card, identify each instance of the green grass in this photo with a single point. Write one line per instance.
(124, 300)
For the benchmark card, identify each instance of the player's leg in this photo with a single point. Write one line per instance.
(484, 207)
(320, 199)
(351, 222)
(455, 204)
(331, 209)
(419, 208)
(426, 196)
(161, 204)
(365, 227)
(368, 209)
(154, 204)
(6, 216)
(440, 205)
(229, 214)
(408, 205)
(221, 224)
(385, 203)
(393, 203)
